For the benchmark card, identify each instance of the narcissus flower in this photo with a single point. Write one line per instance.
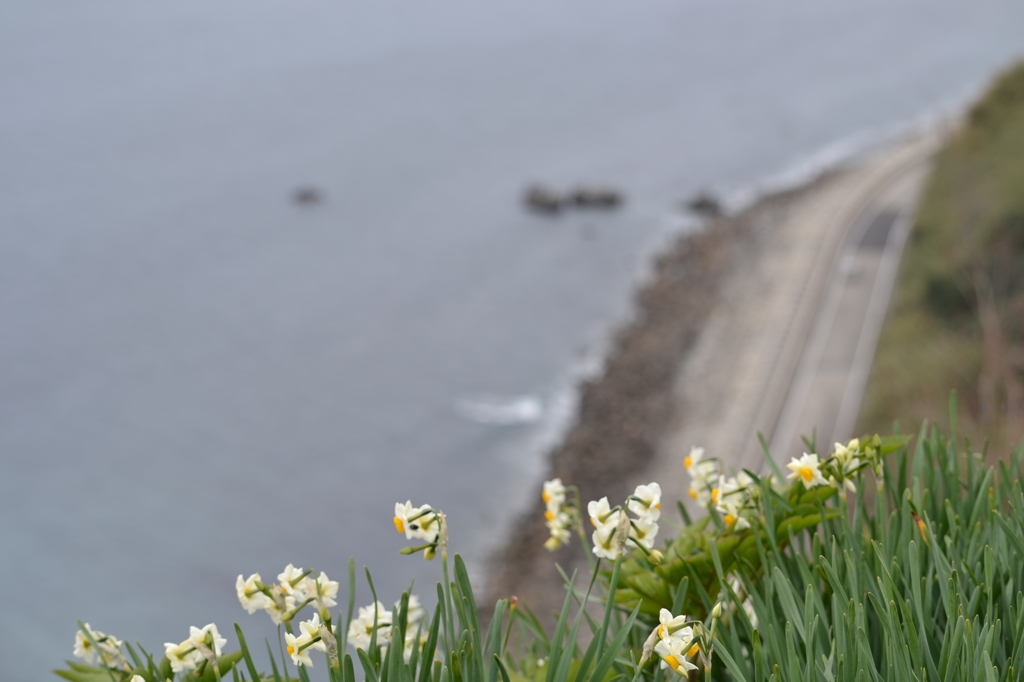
(645, 501)
(730, 508)
(704, 476)
(601, 513)
(109, 647)
(669, 624)
(292, 583)
(299, 647)
(807, 469)
(322, 589)
(250, 595)
(553, 493)
(417, 522)
(845, 453)
(606, 545)
(558, 516)
(558, 526)
(643, 532)
(694, 458)
(673, 651)
(735, 486)
(414, 611)
(362, 626)
(413, 641)
(183, 656)
(734, 495)
(735, 521)
(847, 484)
(278, 604)
(207, 636)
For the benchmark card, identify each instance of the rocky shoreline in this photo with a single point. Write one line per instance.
(625, 413)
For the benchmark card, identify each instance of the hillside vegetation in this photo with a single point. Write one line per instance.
(957, 316)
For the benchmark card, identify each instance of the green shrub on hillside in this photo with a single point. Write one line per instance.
(957, 317)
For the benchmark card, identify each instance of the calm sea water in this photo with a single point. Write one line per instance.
(199, 378)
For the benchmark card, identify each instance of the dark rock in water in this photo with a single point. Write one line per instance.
(307, 195)
(597, 197)
(543, 199)
(705, 204)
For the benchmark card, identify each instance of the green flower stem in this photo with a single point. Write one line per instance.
(418, 548)
(581, 529)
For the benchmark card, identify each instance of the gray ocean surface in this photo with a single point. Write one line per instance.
(199, 378)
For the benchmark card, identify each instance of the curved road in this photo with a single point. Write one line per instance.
(790, 342)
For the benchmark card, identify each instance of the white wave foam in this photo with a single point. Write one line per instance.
(501, 411)
(849, 149)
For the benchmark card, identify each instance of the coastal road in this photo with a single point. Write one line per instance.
(828, 386)
(787, 348)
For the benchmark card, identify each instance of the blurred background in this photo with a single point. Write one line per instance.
(265, 268)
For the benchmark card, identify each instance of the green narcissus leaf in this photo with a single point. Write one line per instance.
(80, 672)
(225, 663)
(653, 590)
(815, 495)
(893, 443)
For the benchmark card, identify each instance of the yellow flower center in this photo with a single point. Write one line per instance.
(688, 462)
(544, 496)
(549, 516)
(661, 632)
(693, 493)
(658, 506)
(593, 521)
(714, 495)
(399, 525)
(693, 651)
(806, 473)
(672, 661)
(291, 650)
(730, 519)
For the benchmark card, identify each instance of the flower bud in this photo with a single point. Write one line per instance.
(655, 557)
(717, 611)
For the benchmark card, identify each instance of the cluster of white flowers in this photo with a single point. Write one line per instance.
(704, 475)
(613, 528)
(840, 468)
(847, 457)
(107, 648)
(807, 468)
(734, 496)
(202, 644)
(310, 639)
(423, 523)
(559, 515)
(376, 617)
(731, 496)
(675, 643)
(295, 589)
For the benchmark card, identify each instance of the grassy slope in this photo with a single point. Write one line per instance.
(957, 316)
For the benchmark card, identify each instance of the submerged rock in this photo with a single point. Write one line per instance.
(543, 199)
(597, 197)
(705, 204)
(307, 195)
